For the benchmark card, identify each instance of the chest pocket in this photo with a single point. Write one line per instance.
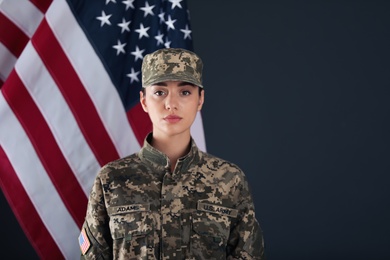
(132, 228)
(211, 230)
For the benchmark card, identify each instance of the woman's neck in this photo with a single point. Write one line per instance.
(173, 146)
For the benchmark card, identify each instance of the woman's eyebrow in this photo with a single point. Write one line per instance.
(185, 83)
(181, 84)
(161, 84)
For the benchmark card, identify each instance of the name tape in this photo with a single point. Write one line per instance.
(128, 209)
(217, 209)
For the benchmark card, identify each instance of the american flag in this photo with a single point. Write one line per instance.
(84, 242)
(70, 80)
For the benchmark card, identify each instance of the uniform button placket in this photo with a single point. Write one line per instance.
(170, 223)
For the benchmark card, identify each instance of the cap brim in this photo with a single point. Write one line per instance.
(172, 78)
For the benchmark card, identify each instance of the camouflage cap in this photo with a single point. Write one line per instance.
(172, 64)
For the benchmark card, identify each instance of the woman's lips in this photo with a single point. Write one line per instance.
(172, 118)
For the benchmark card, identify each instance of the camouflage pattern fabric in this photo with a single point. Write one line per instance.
(139, 209)
(172, 64)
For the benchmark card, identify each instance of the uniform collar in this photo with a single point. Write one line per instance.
(160, 161)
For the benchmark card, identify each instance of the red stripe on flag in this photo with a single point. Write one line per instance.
(46, 147)
(42, 5)
(74, 93)
(11, 36)
(140, 122)
(25, 212)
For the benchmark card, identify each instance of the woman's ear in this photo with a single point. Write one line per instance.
(201, 100)
(142, 100)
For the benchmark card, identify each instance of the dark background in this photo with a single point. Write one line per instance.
(297, 95)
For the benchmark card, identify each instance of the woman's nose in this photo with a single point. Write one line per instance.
(171, 102)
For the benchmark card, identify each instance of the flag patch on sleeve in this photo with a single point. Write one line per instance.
(84, 242)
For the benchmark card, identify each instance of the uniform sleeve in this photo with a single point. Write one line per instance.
(246, 237)
(95, 238)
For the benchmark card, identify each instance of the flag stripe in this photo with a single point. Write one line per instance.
(42, 5)
(7, 61)
(58, 116)
(48, 152)
(139, 121)
(23, 14)
(11, 36)
(96, 81)
(198, 133)
(69, 83)
(18, 22)
(25, 212)
(37, 184)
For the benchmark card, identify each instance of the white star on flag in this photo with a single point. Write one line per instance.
(133, 75)
(119, 47)
(147, 9)
(142, 31)
(167, 44)
(161, 16)
(159, 38)
(128, 3)
(170, 23)
(176, 3)
(125, 25)
(137, 53)
(104, 19)
(187, 32)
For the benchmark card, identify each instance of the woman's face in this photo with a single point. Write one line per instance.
(172, 106)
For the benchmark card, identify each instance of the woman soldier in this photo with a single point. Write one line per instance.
(171, 200)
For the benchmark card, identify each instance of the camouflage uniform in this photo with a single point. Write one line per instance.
(140, 209)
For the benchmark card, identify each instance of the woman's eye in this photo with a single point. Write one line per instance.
(159, 93)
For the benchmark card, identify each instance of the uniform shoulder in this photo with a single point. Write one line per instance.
(220, 163)
(120, 163)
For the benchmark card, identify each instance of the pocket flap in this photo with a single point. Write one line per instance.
(129, 225)
(204, 224)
